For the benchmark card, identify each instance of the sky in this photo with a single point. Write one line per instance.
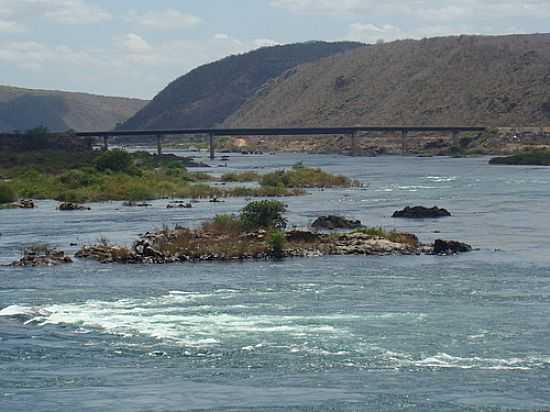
(135, 48)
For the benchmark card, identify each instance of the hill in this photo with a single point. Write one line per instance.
(469, 80)
(207, 95)
(23, 109)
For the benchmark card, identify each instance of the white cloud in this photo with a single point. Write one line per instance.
(371, 33)
(57, 11)
(265, 43)
(132, 66)
(132, 43)
(423, 9)
(164, 20)
(7, 26)
(221, 36)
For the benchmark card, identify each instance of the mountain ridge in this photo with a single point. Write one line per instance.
(207, 95)
(23, 109)
(467, 80)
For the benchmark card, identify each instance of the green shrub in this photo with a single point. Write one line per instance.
(138, 193)
(7, 194)
(73, 196)
(264, 214)
(277, 243)
(116, 160)
(74, 179)
(536, 158)
(302, 177)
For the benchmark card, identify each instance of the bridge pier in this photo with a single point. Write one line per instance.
(211, 146)
(105, 143)
(159, 144)
(354, 148)
(404, 135)
(454, 138)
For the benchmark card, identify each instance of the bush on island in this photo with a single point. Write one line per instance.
(264, 214)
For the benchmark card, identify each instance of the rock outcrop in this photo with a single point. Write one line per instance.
(185, 245)
(179, 205)
(131, 203)
(450, 247)
(332, 222)
(42, 256)
(421, 212)
(70, 206)
(21, 204)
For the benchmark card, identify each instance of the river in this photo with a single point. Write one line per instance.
(468, 332)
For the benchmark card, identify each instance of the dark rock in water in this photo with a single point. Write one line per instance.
(22, 204)
(450, 247)
(26, 204)
(421, 212)
(179, 205)
(332, 222)
(69, 206)
(131, 203)
(42, 256)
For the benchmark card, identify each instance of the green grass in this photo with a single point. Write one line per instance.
(86, 177)
(536, 158)
(298, 177)
(304, 177)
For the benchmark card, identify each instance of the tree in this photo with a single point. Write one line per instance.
(116, 160)
(264, 214)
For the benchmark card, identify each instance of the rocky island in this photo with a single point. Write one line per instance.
(259, 233)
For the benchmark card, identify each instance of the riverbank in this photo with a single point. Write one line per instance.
(140, 176)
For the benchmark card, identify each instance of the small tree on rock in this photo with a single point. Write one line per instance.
(264, 214)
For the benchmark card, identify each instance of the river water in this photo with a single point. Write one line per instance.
(468, 332)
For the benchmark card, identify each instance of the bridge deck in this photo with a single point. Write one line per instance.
(287, 131)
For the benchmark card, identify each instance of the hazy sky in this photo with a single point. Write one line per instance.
(136, 47)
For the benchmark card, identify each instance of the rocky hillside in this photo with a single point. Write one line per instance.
(23, 109)
(207, 95)
(470, 80)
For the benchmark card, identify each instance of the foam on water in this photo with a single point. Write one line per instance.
(209, 320)
(183, 318)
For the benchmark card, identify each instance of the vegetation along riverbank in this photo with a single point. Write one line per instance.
(91, 176)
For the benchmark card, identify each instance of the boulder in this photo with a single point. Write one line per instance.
(450, 247)
(26, 204)
(131, 203)
(69, 206)
(332, 222)
(22, 204)
(42, 256)
(179, 205)
(421, 212)
(106, 253)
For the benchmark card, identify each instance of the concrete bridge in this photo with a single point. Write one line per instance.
(291, 131)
